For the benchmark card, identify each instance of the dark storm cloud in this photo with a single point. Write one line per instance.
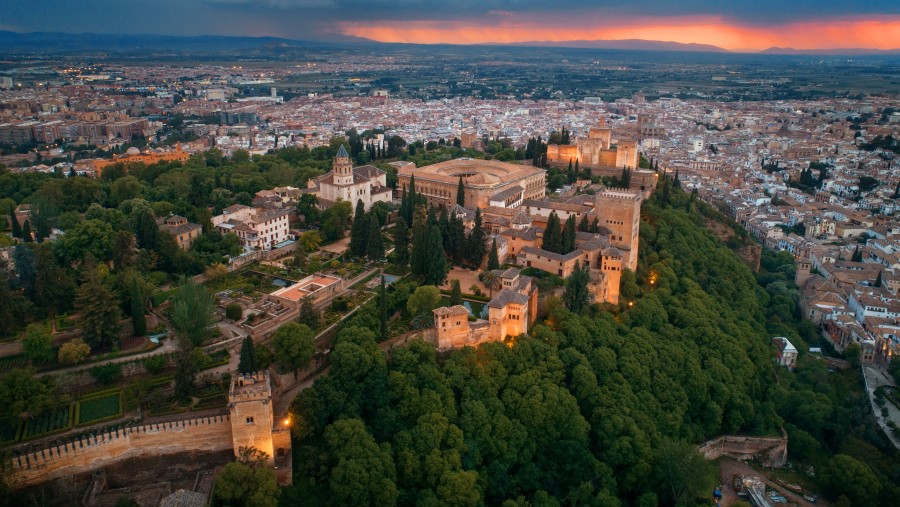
(313, 18)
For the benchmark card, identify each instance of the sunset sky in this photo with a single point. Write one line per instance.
(738, 25)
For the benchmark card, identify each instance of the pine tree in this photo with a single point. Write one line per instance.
(401, 242)
(17, 229)
(568, 243)
(248, 362)
(455, 293)
(576, 295)
(375, 244)
(383, 310)
(99, 321)
(552, 241)
(26, 231)
(359, 230)
(138, 321)
(493, 260)
(436, 267)
(461, 193)
(476, 241)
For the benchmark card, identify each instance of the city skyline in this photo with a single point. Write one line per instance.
(735, 26)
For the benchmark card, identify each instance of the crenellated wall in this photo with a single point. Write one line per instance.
(201, 434)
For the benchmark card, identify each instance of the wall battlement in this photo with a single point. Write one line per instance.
(211, 433)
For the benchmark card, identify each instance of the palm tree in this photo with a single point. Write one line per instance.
(490, 280)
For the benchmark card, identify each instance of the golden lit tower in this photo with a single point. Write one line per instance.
(619, 211)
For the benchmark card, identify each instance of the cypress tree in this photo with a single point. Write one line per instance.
(383, 310)
(583, 225)
(576, 295)
(138, 321)
(26, 232)
(878, 280)
(413, 199)
(435, 265)
(375, 244)
(857, 255)
(419, 245)
(476, 241)
(569, 235)
(461, 193)
(493, 260)
(677, 182)
(404, 206)
(455, 293)
(895, 196)
(308, 313)
(595, 226)
(248, 362)
(552, 241)
(359, 230)
(17, 229)
(401, 242)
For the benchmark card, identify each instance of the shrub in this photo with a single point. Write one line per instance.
(73, 351)
(339, 304)
(234, 311)
(155, 364)
(106, 373)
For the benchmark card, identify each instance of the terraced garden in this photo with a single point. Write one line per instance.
(99, 408)
(60, 419)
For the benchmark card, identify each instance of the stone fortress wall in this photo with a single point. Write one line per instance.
(204, 434)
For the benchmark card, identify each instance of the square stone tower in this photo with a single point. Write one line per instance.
(619, 211)
(252, 416)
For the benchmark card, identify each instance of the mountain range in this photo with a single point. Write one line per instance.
(58, 41)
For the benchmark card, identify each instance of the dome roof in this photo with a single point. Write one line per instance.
(133, 151)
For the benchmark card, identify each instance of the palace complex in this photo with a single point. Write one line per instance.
(486, 182)
(596, 151)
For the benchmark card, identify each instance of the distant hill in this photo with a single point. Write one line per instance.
(57, 41)
(836, 52)
(627, 44)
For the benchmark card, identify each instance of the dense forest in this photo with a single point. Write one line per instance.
(603, 407)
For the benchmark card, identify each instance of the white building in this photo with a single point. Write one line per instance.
(346, 183)
(258, 229)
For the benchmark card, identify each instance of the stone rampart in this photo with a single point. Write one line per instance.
(211, 433)
(770, 451)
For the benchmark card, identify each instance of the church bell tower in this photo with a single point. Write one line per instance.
(343, 169)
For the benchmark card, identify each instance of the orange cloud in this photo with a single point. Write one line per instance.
(882, 33)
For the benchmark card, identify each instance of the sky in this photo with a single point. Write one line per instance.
(736, 25)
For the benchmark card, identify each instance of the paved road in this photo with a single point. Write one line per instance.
(875, 377)
(168, 345)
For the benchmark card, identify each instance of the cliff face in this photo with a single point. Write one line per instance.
(750, 254)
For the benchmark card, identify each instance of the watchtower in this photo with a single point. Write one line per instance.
(619, 211)
(252, 416)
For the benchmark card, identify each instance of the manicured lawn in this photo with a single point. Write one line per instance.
(49, 422)
(96, 409)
